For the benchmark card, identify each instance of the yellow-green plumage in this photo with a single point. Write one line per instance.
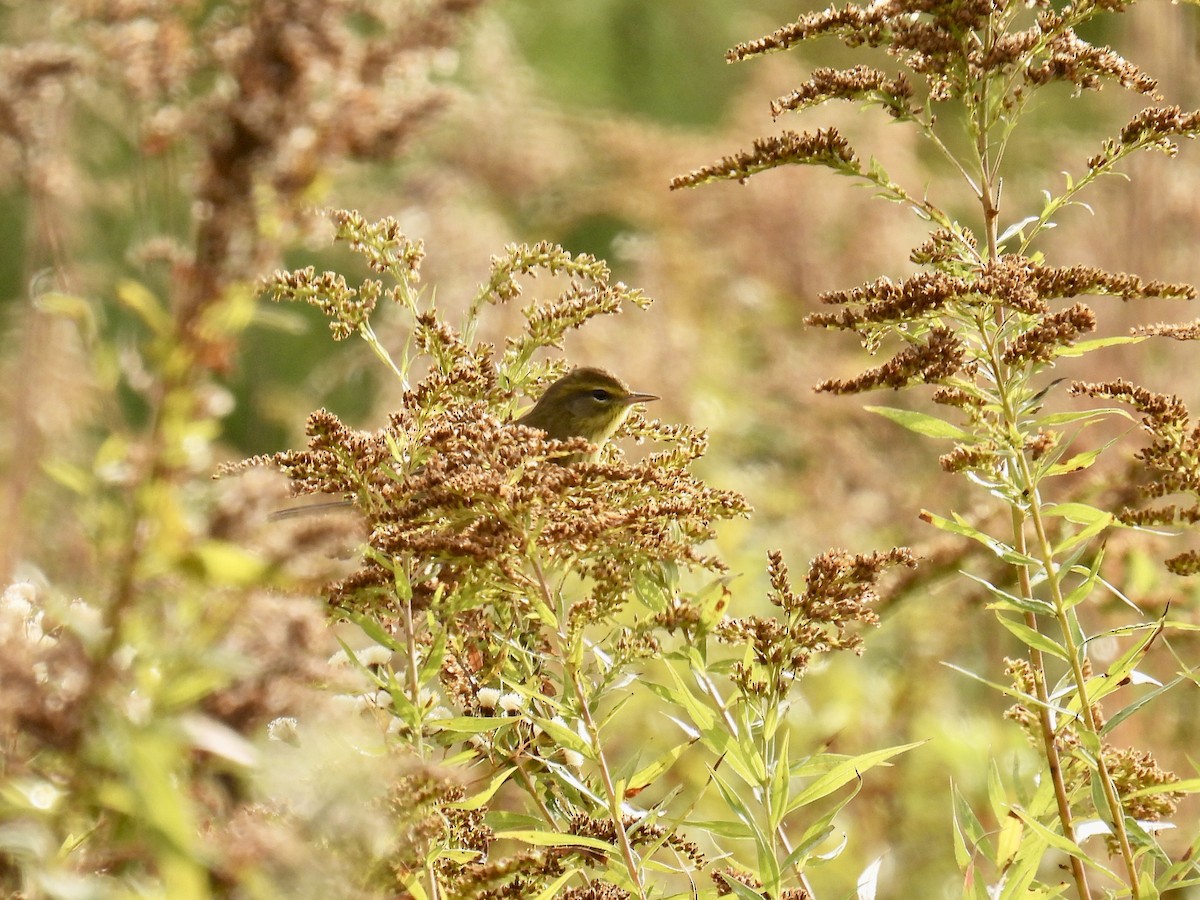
(587, 402)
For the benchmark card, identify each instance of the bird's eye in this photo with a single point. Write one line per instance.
(601, 395)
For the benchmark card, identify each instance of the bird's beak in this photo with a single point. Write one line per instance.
(640, 398)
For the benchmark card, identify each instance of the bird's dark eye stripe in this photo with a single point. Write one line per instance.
(601, 394)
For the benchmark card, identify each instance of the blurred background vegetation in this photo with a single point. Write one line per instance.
(150, 170)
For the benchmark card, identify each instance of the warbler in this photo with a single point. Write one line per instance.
(586, 403)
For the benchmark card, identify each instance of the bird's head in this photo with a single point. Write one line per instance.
(586, 402)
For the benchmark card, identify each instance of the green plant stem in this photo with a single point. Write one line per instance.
(1045, 552)
(125, 591)
(614, 801)
(1062, 614)
(368, 335)
(1053, 761)
(1036, 659)
(531, 788)
(572, 676)
(718, 702)
(412, 677)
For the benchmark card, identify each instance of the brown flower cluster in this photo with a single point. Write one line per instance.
(976, 458)
(470, 500)
(839, 590)
(825, 147)
(382, 243)
(645, 833)
(1135, 773)
(945, 248)
(1172, 459)
(1066, 736)
(386, 249)
(1155, 127)
(1020, 672)
(938, 358)
(1070, 58)
(858, 83)
(597, 890)
(529, 872)
(1179, 331)
(590, 291)
(31, 94)
(940, 300)
(1041, 342)
(1042, 443)
(347, 308)
(724, 877)
(46, 672)
(285, 645)
(1015, 282)
(956, 397)
(953, 44)
(896, 24)
(883, 301)
(521, 260)
(1074, 281)
(1145, 788)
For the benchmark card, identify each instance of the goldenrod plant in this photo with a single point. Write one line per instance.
(981, 323)
(528, 586)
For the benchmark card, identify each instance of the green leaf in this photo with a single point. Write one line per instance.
(1055, 420)
(555, 839)
(1009, 691)
(959, 526)
(780, 782)
(1022, 869)
(1077, 463)
(475, 724)
(1033, 638)
(681, 696)
(228, 564)
(1079, 513)
(924, 424)
(552, 889)
(431, 664)
(816, 834)
(1125, 666)
(1128, 710)
(969, 834)
(372, 629)
(138, 299)
(723, 828)
(1005, 600)
(649, 774)
(74, 478)
(565, 737)
(410, 880)
(650, 590)
(845, 771)
(1081, 347)
(741, 891)
(1083, 590)
(768, 865)
(1016, 228)
(1080, 538)
(1052, 838)
(476, 801)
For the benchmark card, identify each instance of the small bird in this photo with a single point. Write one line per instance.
(586, 403)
